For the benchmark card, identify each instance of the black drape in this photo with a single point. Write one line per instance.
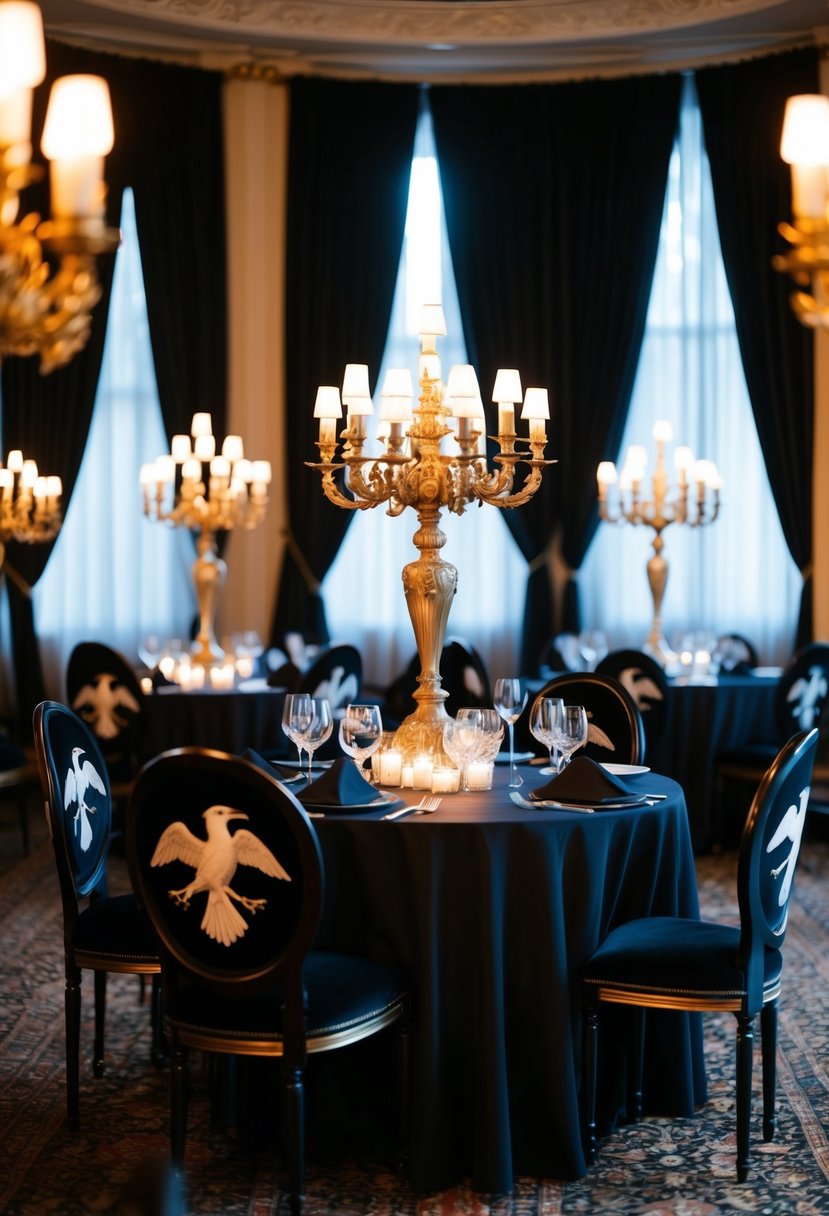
(553, 196)
(350, 156)
(742, 112)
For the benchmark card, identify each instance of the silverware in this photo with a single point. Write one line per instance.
(427, 804)
(559, 806)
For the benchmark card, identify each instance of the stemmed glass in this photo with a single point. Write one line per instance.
(296, 718)
(571, 732)
(462, 740)
(361, 732)
(509, 702)
(318, 729)
(593, 647)
(545, 722)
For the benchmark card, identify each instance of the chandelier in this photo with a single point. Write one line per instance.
(428, 466)
(29, 503)
(48, 281)
(805, 146)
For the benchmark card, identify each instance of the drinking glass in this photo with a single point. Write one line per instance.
(361, 732)
(593, 647)
(296, 718)
(545, 721)
(492, 735)
(572, 731)
(509, 702)
(150, 651)
(318, 729)
(465, 738)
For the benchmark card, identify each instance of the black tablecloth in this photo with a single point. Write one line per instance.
(493, 910)
(230, 720)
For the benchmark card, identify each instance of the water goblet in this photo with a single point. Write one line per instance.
(545, 721)
(361, 732)
(509, 702)
(572, 731)
(296, 718)
(318, 729)
(467, 738)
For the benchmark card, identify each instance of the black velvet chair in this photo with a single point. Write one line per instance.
(103, 689)
(337, 674)
(615, 732)
(735, 654)
(102, 933)
(236, 912)
(672, 963)
(463, 675)
(647, 683)
(801, 699)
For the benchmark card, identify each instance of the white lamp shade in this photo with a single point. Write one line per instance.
(180, 448)
(397, 382)
(165, 469)
(462, 381)
(536, 403)
(78, 118)
(432, 320)
(14, 460)
(355, 382)
(507, 386)
(22, 50)
(202, 424)
(55, 486)
(205, 447)
(637, 457)
(663, 432)
(191, 469)
(395, 409)
(327, 404)
(468, 407)
(28, 474)
(261, 470)
(220, 466)
(683, 458)
(805, 139)
(606, 474)
(233, 449)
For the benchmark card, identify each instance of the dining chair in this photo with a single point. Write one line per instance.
(701, 966)
(229, 869)
(101, 932)
(463, 674)
(615, 731)
(735, 654)
(647, 683)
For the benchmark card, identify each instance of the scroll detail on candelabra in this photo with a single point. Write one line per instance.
(415, 471)
(661, 509)
(233, 495)
(30, 508)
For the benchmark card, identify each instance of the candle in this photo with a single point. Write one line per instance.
(445, 781)
(391, 766)
(506, 418)
(407, 776)
(538, 430)
(328, 432)
(422, 773)
(479, 775)
(146, 685)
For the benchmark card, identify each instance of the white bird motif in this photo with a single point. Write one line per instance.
(98, 704)
(808, 695)
(641, 687)
(78, 780)
(339, 691)
(790, 828)
(215, 861)
(596, 735)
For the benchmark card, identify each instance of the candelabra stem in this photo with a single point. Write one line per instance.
(208, 576)
(657, 567)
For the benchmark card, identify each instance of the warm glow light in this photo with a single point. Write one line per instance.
(78, 118)
(536, 403)
(805, 139)
(22, 53)
(507, 386)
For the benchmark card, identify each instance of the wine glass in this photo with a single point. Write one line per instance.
(361, 732)
(296, 718)
(571, 732)
(465, 739)
(318, 729)
(593, 647)
(150, 651)
(509, 702)
(545, 721)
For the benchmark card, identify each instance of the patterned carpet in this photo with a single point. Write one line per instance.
(682, 1166)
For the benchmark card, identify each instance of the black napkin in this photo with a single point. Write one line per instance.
(585, 781)
(285, 775)
(340, 785)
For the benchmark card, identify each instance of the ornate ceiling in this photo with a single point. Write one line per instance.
(441, 39)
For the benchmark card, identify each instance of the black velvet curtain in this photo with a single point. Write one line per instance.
(350, 155)
(742, 111)
(554, 196)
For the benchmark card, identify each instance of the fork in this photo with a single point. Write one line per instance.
(427, 804)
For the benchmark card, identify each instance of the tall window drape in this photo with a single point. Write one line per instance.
(349, 160)
(553, 197)
(742, 109)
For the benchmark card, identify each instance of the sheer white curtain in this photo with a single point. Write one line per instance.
(363, 590)
(736, 575)
(113, 576)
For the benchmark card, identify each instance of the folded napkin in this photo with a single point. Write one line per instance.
(586, 782)
(340, 785)
(286, 775)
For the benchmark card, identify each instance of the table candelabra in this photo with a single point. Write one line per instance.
(415, 471)
(664, 507)
(30, 508)
(232, 494)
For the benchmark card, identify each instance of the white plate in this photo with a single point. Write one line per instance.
(304, 766)
(520, 757)
(375, 804)
(625, 770)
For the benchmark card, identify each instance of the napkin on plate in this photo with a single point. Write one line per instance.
(340, 785)
(286, 775)
(584, 781)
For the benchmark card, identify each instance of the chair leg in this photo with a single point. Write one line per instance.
(591, 1039)
(100, 1022)
(637, 1066)
(768, 1048)
(159, 1049)
(72, 1011)
(178, 1105)
(745, 1048)
(404, 1070)
(294, 1136)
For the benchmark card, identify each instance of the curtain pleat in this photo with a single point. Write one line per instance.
(553, 197)
(349, 164)
(742, 110)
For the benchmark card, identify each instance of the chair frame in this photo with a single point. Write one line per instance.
(592, 679)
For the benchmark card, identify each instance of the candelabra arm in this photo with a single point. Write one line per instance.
(334, 494)
(498, 498)
(209, 572)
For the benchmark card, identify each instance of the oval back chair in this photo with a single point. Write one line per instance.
(614, 724)
(647, 683)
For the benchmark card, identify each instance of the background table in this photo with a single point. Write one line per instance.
(493, 910)
(230, 720)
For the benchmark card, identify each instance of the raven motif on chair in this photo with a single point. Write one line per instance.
(78, 780)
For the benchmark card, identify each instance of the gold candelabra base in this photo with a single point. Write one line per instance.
(209, 572)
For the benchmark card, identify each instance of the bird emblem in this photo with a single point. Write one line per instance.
(808, 693)
(596, 735)
(641, 688)
(101, 703)
(79, 778)
(215, 861)
(789, 828)
(339, 691)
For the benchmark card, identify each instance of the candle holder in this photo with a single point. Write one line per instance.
(414, 471)
(233, 494)
(664, 507)
(805, 146)
(30, 509)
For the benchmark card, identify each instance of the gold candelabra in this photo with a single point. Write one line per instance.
(29, 503)
(42, 312)
(805, 146)
(233, 494)
(664, 507)
(415, 471)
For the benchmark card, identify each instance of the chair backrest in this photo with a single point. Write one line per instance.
(803, 690)
(228, 868)
(769, 851)
(735, 653)
(337, 674)
(646, 682)
(464, 676)
(103, 689)
(614, 724)
(75, 784)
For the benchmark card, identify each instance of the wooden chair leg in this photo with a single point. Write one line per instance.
(591, 1038)
(159, 1048)
(294, 1136)
(745, 1048)
(178, 1105)
(100, 1022)
(637, 1066)
(404, 1071)
(768, 1049)
(72, 1010)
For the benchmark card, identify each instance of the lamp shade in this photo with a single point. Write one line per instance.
(432, 320)
(356, 395)
(805, 139)
(22, 51)
(78, 119)
(536, 403)
(327, 404)
(507, 386)
(202, 424)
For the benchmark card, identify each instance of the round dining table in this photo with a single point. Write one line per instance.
(493, 909)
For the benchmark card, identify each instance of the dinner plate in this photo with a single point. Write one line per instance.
(317, 764)
(625, 770)
(520, 757)
(381, 802)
